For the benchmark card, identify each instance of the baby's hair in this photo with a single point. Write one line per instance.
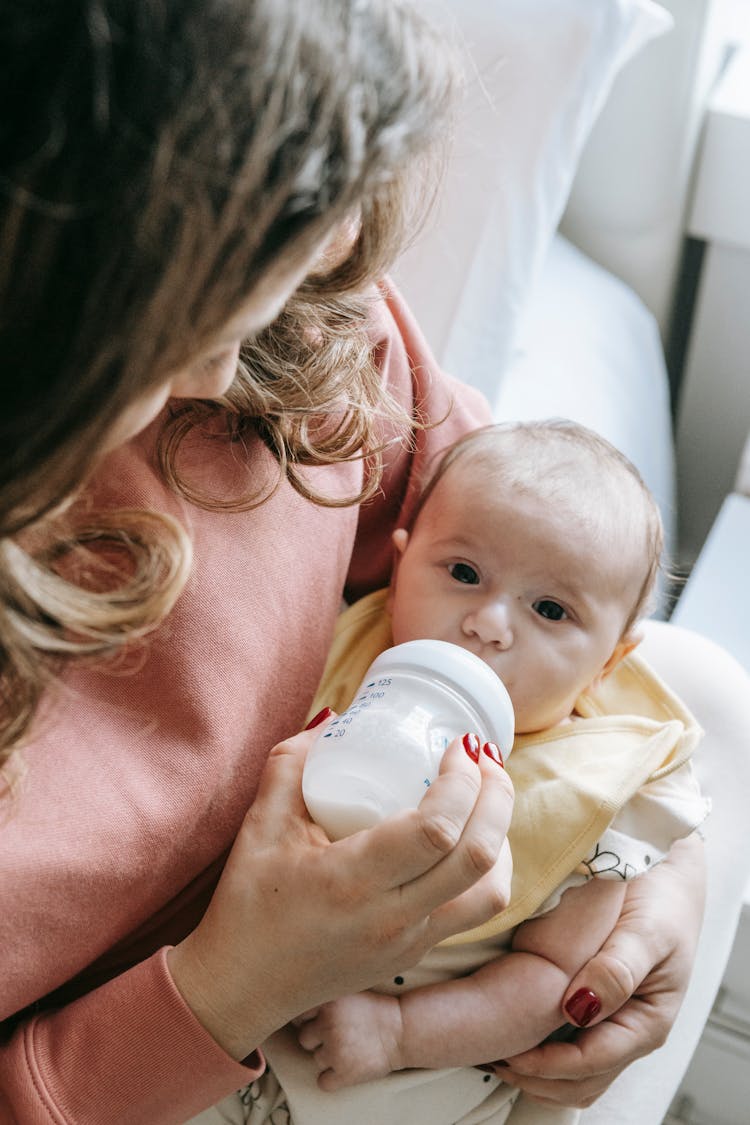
(557, 458)
(165, 160)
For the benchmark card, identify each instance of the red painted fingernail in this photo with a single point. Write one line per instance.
(583, 1006)
(471, 746)
(319, 718)
(493, 751)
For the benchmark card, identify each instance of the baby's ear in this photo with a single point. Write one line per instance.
(399, 538)
(624, 646)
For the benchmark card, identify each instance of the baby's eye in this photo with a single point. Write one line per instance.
(553, 611)
(462, 572)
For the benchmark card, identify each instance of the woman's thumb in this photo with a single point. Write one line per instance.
(609, 979)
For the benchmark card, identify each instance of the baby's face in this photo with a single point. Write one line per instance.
(515, 580)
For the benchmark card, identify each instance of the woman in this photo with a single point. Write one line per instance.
(174, 172)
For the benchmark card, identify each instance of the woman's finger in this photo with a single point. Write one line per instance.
(558, 1094)
(649, 953)
(404, 848)
(576, 1073)
(452, 844)
(440, 850)
(608, 981)
(279, 798)
(473, 883)
(600, 1050)
(486, 898)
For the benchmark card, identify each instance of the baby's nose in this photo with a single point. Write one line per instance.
(491, 624)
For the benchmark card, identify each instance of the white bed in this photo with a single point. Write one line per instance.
(524, 313)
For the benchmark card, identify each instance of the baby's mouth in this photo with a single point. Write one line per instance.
(496, 659)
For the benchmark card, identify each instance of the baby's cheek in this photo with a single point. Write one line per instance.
(537, 709)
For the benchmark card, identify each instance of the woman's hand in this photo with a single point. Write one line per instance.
(297, 920)
(627, 996)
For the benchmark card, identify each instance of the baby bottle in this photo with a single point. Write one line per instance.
(382, 754)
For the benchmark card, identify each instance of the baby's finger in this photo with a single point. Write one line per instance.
(309, 1036)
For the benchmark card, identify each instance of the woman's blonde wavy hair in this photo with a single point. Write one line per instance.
(166, 161)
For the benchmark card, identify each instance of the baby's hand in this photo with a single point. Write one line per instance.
(354, 1039)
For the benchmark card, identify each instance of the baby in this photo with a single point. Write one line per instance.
(535, 546)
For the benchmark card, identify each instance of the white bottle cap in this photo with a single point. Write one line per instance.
(462, 671)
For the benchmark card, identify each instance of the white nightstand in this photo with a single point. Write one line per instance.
(716, 1088)
(714, 408)
(716, 600)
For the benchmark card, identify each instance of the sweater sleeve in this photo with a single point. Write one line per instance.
(449, 408)
(65, 1066)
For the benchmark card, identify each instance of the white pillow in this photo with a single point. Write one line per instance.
(590, 350)
(537, 74)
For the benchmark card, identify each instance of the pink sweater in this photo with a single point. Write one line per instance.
(136, 783)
